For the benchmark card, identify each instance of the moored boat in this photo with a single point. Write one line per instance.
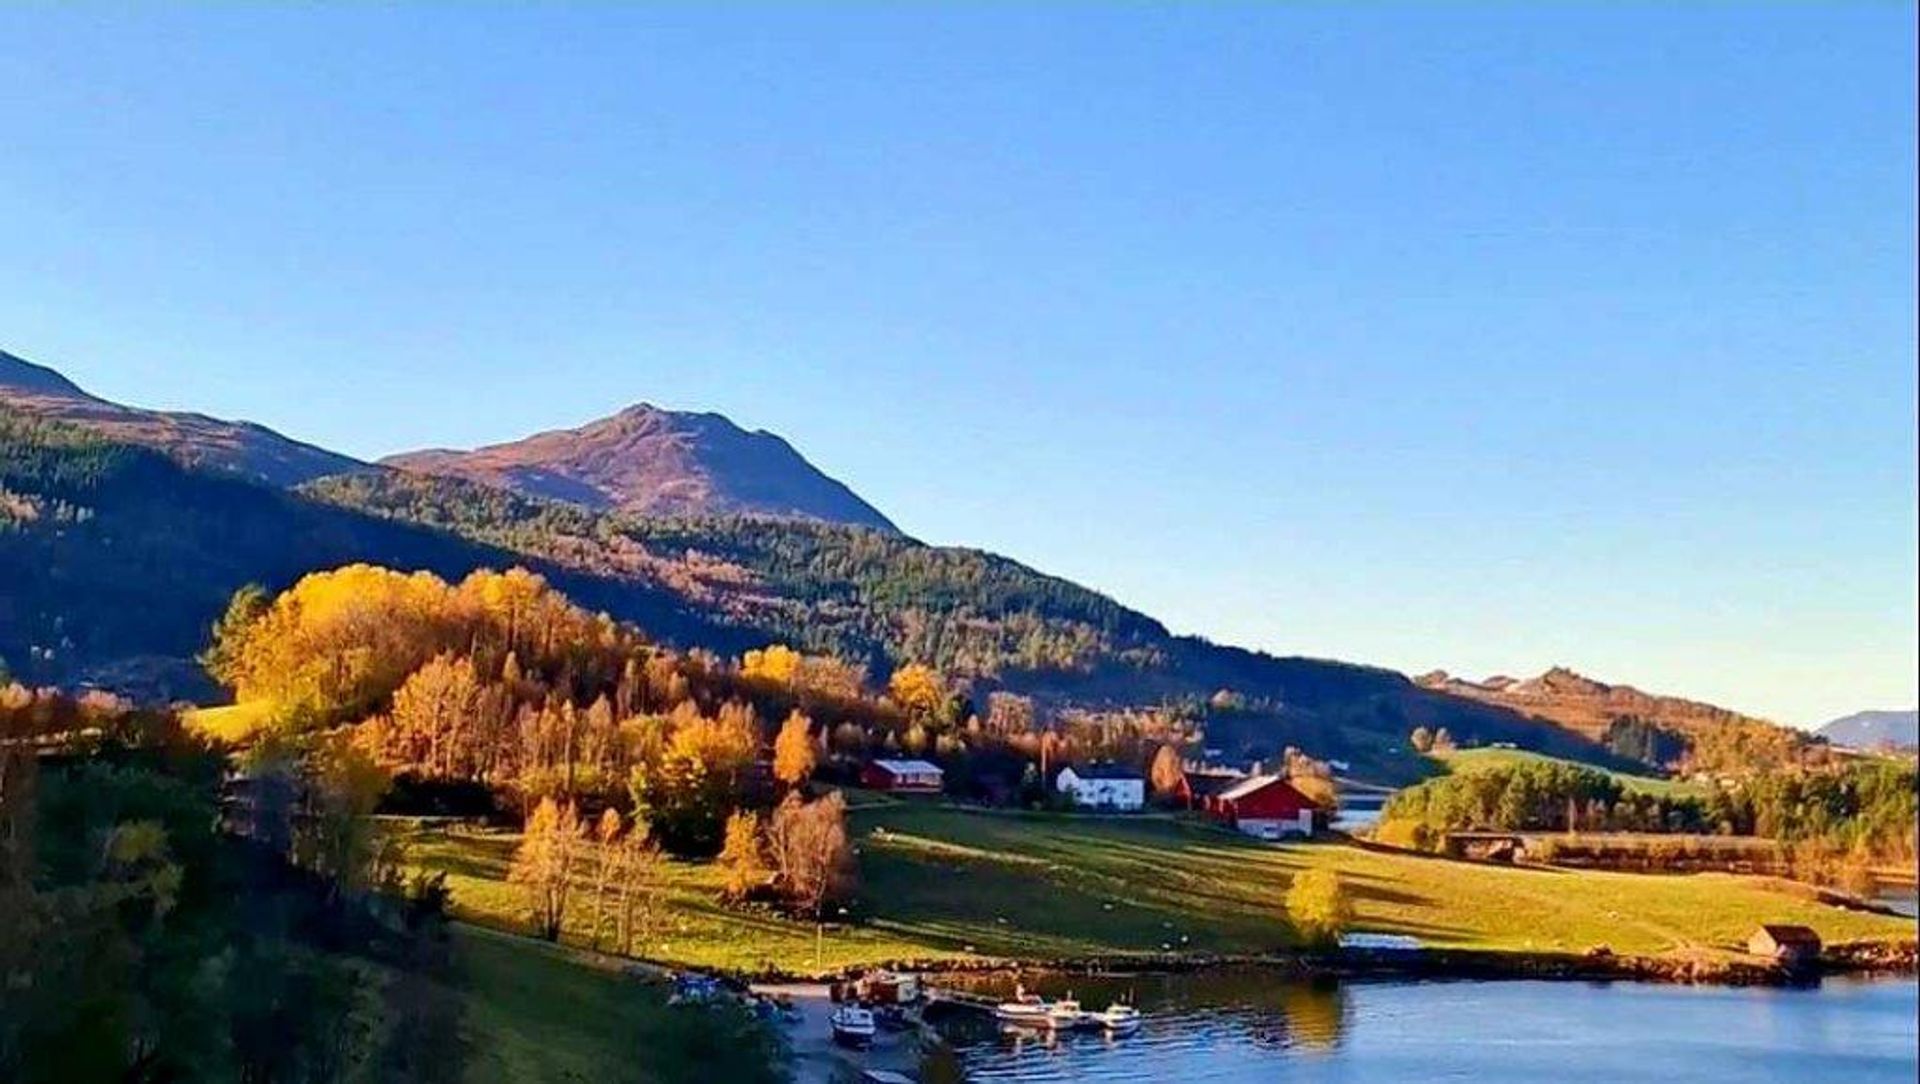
(1064, 1014)
(1117, 1018)
(1023, 1008)
(852, 1026)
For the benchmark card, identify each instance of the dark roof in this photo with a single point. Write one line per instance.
(1208, 784)
(1105, 771)
(1790, 935)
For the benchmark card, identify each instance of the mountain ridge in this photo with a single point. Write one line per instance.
(238, 447)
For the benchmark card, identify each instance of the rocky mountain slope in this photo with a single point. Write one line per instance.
(653, 462)
(242, 448)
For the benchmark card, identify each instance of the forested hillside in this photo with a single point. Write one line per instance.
(117, 559)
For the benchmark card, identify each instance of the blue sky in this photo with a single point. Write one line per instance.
(1484, 338)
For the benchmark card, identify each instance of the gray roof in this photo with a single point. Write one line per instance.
(909, 767)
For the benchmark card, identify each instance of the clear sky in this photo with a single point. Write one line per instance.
(1484, 338)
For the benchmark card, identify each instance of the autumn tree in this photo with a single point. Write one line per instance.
(742, 861)
(812, 856)
(1165, 775)
(543, 865)
(794, 755)
(918, 690)
(606, 869)
(638, 876)
(688, 790)
(1318, 907)
(223, 657)
(432, 727)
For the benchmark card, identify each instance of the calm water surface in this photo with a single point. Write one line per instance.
(1244, 1025)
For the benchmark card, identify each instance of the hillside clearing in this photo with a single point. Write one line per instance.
(942, 883)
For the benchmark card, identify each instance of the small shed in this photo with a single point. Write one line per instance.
(903, 776)
(1790, 945)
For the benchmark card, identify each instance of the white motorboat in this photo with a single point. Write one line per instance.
(852, 1026)
(1065, 1014)
(1117, 1018)
(1023, 1008)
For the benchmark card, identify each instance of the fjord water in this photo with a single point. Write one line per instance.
(1244, 1026)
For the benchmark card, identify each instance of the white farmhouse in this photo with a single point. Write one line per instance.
(1104, 786)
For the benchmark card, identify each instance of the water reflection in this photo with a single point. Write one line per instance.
(1244, 1025)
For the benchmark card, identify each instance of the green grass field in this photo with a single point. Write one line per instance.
(939, 882)
(1470, 760)
(537, 1012)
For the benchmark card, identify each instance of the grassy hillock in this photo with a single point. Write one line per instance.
(940, 882)
(1470, 760)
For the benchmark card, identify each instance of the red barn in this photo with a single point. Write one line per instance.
(1264, 806)
(903, 776)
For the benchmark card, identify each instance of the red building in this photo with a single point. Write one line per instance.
(903, 776)
(1264, 806)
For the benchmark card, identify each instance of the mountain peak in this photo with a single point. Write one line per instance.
(653, 461)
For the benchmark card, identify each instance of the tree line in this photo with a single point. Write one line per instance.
(1866, 808)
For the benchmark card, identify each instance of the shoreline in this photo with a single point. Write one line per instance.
(1869, 958)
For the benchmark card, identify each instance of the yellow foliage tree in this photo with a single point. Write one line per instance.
(794, 755)
(1318, 907)
(543, 864)
(917, 689)
(742, 860)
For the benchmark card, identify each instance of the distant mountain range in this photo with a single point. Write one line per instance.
(124, 531)
(653, 462)
(242, 448)
(1875, 729)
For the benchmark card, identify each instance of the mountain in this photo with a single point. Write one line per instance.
(1874, 729)
(241, 448)
(654, 462)
(1644, 726)
(117, 552)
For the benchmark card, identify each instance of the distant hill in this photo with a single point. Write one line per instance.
(653, 462)
(1650, 727)
(1875, 729)
(241, 448)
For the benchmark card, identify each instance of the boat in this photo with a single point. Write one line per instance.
(1065, 1014)
(852, 1026)
(1117, 1018)
(1023, 1008)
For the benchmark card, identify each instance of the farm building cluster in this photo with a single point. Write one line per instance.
(1259, 805)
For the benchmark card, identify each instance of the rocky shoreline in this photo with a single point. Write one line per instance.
(1598, 965)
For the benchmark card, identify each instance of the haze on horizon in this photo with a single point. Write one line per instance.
(1486, 340)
